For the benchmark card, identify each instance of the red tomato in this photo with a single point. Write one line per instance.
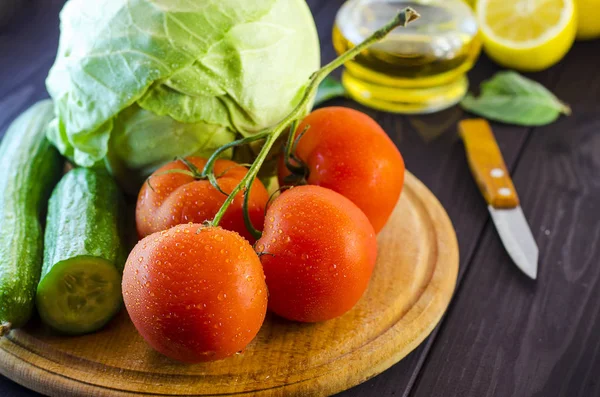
(176, 199)
(347, 151)
(195, 293)
(319, 252)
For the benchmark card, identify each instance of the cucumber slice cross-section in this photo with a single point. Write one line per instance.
(79, 295)
(84, 253)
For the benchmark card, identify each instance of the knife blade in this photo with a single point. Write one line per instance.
(490, 172)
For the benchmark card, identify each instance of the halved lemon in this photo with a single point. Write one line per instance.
(527, 35)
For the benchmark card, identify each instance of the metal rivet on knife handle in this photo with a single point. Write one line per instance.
(487, 164)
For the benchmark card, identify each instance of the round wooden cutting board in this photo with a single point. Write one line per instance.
(411, 287)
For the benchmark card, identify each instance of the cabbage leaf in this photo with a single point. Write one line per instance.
(226, 67)
(142, 141)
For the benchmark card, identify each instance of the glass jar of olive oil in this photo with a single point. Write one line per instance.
(420, 68)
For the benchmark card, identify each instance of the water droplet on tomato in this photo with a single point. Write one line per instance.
(141, 259)
(249, 278)
(222, 296)
(332, 267)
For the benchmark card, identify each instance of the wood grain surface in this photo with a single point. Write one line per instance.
(525, 338)
(477, 351)
(411, 287)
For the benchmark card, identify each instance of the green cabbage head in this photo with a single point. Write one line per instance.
(138, 82)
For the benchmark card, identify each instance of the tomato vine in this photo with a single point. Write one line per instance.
(271, 135)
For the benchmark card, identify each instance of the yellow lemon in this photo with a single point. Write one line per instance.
(588, 24)
(527, 35)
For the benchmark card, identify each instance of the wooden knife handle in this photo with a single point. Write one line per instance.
(487, 164)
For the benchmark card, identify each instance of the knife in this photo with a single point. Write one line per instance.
(493, 179)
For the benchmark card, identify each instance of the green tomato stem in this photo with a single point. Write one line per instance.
(402, 19)
(287, 154)
(210, 164)
(193, 169)
(208, 170)
(247, 221)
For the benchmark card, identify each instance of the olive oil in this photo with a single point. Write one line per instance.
(417, 69)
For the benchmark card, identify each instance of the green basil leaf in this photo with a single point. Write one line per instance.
(511, 98)
(330, 88)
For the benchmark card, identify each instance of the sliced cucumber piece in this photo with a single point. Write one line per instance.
(79, 295)
(84, 253)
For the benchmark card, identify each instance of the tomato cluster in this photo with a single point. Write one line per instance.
(198, 292)
(346, 151)
(171, 197)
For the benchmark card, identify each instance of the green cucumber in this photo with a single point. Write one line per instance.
(29, 168)
(84, 253)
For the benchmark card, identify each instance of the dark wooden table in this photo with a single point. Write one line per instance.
(503, 335)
